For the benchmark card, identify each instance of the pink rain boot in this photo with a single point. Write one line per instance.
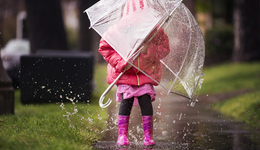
(122, 130)
(148, 130)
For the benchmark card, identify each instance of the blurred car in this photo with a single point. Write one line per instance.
(11, 55)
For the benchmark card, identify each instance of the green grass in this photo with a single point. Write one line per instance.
(244, 108)
(48, 126)
(232, 77)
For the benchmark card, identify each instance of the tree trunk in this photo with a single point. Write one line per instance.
(246, 30)
(45, 23)
(87, 37)
(6, 92)
(2, 4)
(6, 89)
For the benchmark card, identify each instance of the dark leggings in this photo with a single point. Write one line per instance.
(144, 102)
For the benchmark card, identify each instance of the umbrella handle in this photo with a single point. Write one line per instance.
(101, 99)
(109, 101)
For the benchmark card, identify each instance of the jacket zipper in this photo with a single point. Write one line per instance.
(137, 72)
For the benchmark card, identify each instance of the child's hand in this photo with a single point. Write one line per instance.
(144, 48)
(127, 67)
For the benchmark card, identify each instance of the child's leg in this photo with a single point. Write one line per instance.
(126, 106)
(123, 120)
(145, 105)
(147, 117)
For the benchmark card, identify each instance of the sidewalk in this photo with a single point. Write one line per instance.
(179, 126)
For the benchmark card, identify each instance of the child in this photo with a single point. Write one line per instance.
(133, 84)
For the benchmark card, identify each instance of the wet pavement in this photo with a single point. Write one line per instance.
(179, 126)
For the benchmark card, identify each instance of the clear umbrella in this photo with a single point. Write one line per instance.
(126, 30)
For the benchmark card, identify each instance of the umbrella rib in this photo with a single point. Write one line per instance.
(189, 45)
(160, 83)
(181, 65)
(100, 18)
(170, 70)
(101, 21)
(145, 74)
(181, 95)
(184, 57)
(201, 74)
(177, 77)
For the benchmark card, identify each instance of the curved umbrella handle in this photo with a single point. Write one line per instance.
(101, 99)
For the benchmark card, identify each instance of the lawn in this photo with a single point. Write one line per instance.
(232, 77)
(244, 108)
(55, 125)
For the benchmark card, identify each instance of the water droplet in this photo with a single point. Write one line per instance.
(164, 133)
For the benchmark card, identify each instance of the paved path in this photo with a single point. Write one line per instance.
(179, 126)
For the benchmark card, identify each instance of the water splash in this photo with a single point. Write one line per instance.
(162, 120)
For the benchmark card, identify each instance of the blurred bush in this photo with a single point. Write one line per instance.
(219, 44)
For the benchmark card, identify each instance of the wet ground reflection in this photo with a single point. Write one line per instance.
(179, 126)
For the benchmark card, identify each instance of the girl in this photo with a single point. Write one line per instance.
(134, 85)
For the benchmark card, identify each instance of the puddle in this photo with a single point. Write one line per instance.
(179, 126)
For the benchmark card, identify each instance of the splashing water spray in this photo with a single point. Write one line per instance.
(163, 120)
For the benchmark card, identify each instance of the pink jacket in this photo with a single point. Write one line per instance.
(149, 62)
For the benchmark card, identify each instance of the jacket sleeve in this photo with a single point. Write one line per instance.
(158, 48)
(111, 56)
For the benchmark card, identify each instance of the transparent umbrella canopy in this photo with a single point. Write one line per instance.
(127, 30)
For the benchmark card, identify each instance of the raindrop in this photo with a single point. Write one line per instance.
(180, 116)
(184, 135)
(162, 92)
(164, 133)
